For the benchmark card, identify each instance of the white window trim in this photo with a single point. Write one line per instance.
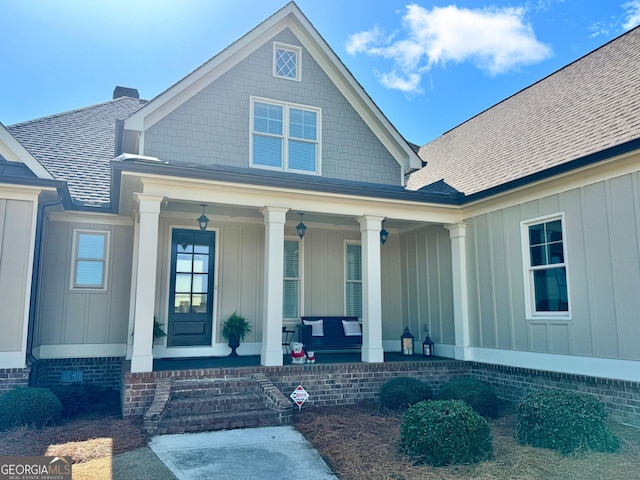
(529, 292)
(300, 277)
(292, 48)
(350, 242)
(74, 258)
(285, 135)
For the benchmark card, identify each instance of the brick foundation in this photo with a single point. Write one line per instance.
(14, 377)
(103, 371)
(349, 383)
(621, 399)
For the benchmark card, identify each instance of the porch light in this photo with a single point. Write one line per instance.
(301, 228)
(383, 235)
(427, 347)
(406, 342)
(203, 221)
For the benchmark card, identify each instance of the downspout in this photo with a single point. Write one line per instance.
(31, 360)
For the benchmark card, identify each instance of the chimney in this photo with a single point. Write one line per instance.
(125, 92)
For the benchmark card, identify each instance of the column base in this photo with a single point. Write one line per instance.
(372, 355)
(271, 358)
(141, 363)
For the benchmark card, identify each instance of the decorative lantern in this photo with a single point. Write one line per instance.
(406, 342)
(427, 347)
(203, 221)
(384, 235)
(301, 228)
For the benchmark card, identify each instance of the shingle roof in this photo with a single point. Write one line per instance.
(77, 146)
(588, 106)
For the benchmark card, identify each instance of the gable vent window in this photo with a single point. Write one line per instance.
(285, 136)
(90, 252)
(547, 292)
(286, 61)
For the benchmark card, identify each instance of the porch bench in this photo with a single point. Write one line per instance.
(330, 333)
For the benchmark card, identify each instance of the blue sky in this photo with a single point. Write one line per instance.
(429, 65)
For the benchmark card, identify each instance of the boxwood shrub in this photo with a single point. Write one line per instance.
(29, 406)
(479, 395)
(445, 432)
(564, 421)
(78, 397)
(399, 393)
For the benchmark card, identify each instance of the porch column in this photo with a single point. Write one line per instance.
(145, 290)
(372, 350)
(457, 234)
(274, 219)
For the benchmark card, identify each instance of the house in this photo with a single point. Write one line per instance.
(516, 245)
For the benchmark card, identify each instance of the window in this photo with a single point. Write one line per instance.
(353, 280)
(546, 269)
(286, 61)
(285, 136)
(291, 282)
(90, 252)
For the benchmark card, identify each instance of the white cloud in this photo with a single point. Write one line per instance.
(632, 10)
(494, 40)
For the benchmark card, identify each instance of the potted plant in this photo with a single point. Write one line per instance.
(234, 329)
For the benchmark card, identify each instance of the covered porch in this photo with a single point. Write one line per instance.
(251, 224)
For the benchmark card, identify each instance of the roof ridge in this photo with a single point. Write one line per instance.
(75, 110)
(555, 72)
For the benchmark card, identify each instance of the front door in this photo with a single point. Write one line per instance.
(191, 288)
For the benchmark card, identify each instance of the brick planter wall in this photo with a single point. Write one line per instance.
(13, 377)
(621, 399)
(103, 371)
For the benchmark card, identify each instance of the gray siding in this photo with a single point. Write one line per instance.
(15, 242)
(212, 128)
(427, 284)
(602, 224)
(68, 316)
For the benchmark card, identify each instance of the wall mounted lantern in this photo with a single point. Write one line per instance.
(406, 341)
(384, 235)
(301, 228)
(203, 221)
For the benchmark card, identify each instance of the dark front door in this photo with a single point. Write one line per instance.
(191, 288)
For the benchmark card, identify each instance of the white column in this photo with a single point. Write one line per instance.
(457, 234)
(372, 350)
(274, 219)
(145, 290)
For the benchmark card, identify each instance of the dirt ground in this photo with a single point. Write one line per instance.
(357, 442)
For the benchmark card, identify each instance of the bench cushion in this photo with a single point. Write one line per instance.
(334, 336)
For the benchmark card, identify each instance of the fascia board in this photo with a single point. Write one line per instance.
(14, 151)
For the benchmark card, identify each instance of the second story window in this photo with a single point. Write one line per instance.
(286, 61)
(285, 136)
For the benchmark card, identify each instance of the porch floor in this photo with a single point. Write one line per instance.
(162, 364)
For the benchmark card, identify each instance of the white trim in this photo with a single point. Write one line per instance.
(216, 350)
(10, 191)
(292, 48)
(82, 350)
(628, 370)
(13, 151)
(286, 107)
(74, 258)
(13, 359)
(529, 293)
(84, 217)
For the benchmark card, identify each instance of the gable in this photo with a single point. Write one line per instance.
(214, 126)
(315, 47)
(16, 161)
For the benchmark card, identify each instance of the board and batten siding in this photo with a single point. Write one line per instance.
(15, 247)
(602, 226)
(427, 284)
(213, 127)
(83, 316)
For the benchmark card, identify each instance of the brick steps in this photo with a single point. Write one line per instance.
(206, 404)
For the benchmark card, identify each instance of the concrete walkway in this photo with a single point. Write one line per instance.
(272, 453)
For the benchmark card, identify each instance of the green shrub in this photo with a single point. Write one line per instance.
(78, 397)
(445, 432)
(478, 395)
(564, 421)
(29, 406)
(401, 392)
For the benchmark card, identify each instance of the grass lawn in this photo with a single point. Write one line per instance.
(357, 442)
